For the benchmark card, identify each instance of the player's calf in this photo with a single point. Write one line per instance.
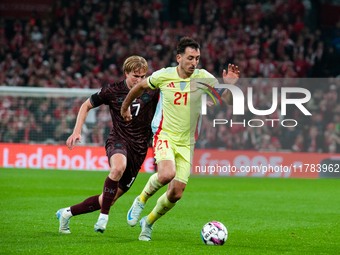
(150, 188)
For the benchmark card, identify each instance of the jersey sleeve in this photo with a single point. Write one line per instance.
(95, 100)
(155, 80)
(103, 94)
(209, 78)
(212, 81)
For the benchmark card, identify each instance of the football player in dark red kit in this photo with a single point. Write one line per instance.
(126, 146)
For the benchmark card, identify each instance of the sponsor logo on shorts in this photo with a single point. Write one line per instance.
(118, 145)
(163, 153)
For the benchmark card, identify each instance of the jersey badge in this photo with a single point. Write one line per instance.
(182, 85)
(146, 98)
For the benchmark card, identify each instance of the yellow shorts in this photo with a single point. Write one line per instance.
(164, 149)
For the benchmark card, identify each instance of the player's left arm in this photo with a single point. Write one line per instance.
(132, 95)
(230, 78)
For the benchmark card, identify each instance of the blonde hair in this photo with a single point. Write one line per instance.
(135, 63)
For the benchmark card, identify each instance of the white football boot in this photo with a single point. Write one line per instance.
(135, 212)
(100, 226)
(63, 227)
(145, 235)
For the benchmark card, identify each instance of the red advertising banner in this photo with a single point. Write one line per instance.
(23, 9)
(206, 162)
(263, 164)
(60, 157)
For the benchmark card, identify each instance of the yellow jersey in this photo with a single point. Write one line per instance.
(179, 105)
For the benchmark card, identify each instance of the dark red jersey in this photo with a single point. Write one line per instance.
(136, 133)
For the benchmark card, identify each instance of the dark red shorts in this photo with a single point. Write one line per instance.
(134, 161)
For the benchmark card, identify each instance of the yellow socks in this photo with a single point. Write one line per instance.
(150, 188)
(163, 205)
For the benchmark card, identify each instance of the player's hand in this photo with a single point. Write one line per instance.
(126, 114)
(71, 141)
(232, 76)
(209, 103)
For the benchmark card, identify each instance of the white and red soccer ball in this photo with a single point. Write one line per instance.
(214, 233)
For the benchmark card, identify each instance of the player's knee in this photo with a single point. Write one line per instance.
(118, 169)
(165, 178)
(116, 172)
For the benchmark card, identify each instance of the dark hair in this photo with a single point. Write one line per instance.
(186, 42)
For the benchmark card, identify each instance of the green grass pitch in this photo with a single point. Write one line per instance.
(263, 216)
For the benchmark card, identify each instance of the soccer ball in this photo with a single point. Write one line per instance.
(214, 233)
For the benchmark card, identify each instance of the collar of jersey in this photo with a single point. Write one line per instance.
(180, 77)
(126, 85)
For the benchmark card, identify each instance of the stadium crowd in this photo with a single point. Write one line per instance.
(83, 43)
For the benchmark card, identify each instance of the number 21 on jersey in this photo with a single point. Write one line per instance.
(178, 98)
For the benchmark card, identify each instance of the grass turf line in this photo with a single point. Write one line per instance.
(262, 215)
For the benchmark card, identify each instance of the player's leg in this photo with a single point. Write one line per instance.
(155, 182)
(118, 165)
(165, 160)
(174, 192)
(119, 193)
(90, 204)
(166, 202)
(166, 173)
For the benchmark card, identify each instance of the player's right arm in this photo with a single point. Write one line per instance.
(82, 114)
(95, 100)
(135, 92)
(151, 82)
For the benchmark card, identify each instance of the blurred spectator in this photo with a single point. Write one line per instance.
(97, 135)
(47, 128)
(313, 140)
(36, 135)
(10, 136)
(298, 143)
(289, 137)
(62, 132)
